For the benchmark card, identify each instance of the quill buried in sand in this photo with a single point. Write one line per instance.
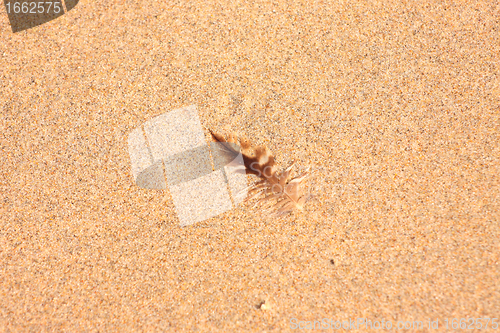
(283, 193)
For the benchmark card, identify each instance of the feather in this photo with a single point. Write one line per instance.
(278, 190)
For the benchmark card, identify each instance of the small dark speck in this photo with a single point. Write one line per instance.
(259, 306)
(332, 261)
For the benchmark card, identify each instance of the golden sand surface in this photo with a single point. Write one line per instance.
(395, 105)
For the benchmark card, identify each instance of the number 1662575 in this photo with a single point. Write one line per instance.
(34, 7)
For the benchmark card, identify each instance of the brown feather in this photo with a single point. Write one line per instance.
(259, 161)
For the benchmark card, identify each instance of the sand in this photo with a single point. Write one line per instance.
(395, 106)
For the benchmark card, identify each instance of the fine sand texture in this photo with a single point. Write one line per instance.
(395, 107)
